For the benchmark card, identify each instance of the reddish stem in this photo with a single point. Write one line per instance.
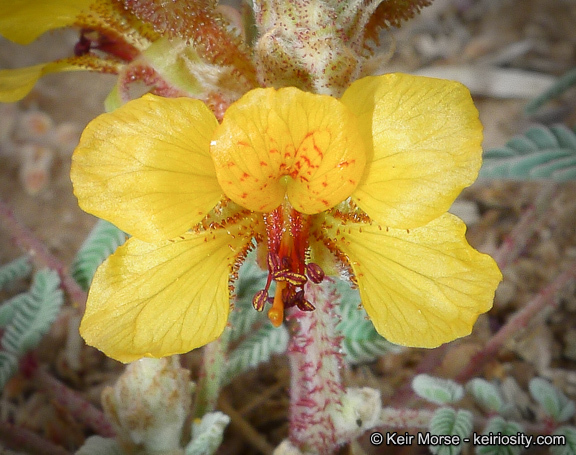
(79, 407)
(18, 438)
(518, 321)
(315, 362)
(515, 242)
(28, 242)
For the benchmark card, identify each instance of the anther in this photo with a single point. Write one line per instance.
(305, 305)
(293, 278)
(273, 261)
(260, 299)
(314, 272)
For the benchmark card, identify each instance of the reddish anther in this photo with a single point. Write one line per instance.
(260, 300)
(314, 272)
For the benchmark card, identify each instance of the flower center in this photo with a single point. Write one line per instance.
(287, 231)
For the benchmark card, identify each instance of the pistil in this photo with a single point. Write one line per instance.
(287, 262)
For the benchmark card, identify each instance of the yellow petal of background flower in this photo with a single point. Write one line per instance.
(15, 84)
(288, 142)
(22, 21)
(421, 287)
(426, 140)
(155, 300)
(146, 167)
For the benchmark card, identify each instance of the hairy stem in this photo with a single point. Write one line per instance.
(212, 375)
(315, 362)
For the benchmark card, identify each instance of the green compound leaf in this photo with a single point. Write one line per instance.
(18, 268)
(9, 308)
(257, 349)
(486, 394)
(541, 153)
(35, 313)
(100, 243)
(559, 87)
(361, 342)
(436, 390)
(570, 447)
(251, 279)
(8, 367)
(449, 422)
(207, 434)
(554, 402)
(499, 426)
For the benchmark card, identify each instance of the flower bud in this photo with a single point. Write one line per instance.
(149, 404)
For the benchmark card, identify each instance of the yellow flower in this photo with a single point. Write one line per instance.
(107, 28)
(357, 186)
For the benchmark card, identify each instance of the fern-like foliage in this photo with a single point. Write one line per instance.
(257, 349)
(8, 367)
(100, 243)
(361, 342)
(243, 319)
(498, 426)
(552, 400)
(437, 390)
(540, 153)
(18, 268)
(35, 313)
(9, 308)
(568, 432)
(560, 86)
(486, 394)
(207, 434)
(450, 422)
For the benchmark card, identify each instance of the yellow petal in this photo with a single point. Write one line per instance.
(155, 300)
(15, 84)
(22, 21)
(421, 287)
(146, 167)
(426, 140)
(288, 142)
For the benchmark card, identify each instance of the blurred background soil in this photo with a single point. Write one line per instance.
(506, 51)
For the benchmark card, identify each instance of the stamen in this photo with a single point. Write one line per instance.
(293, 278)
(260, 299)
(314, 272)
(273, 261)
(276, 313)
(305, 305)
